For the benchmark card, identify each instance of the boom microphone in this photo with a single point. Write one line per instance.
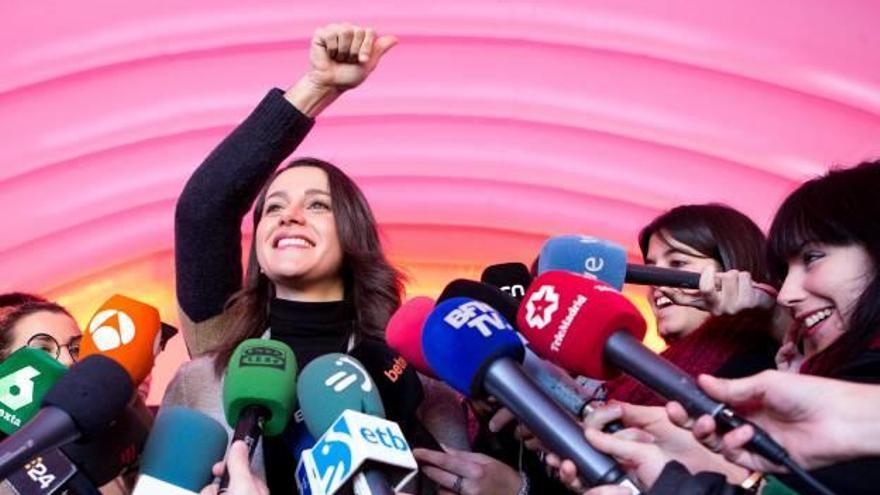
(475, 350)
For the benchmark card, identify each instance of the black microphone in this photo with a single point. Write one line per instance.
(81, 466)
(510, 278)
(115, 450)
(663, 277)
(81, 404)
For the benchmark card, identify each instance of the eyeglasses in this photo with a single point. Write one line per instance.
(46, 342)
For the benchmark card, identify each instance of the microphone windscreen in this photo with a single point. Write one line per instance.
(261, 372)
(404, 331)
(183, 446)
(331, 384)
(463, 337)
(127, 331)
(109, 453)
(568, 318)
(588, 256)
(510, 278)
(500, 301)
(94, 392)
(25, 378)
(398, 383)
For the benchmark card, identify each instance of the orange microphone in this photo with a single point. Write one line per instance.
(127, 331)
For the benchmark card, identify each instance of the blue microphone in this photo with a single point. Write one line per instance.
(474, 349)
(606, 261)
(180, 452)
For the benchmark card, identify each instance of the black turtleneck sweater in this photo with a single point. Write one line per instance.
(311, 329)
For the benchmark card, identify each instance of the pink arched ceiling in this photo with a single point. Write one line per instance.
(493, 124)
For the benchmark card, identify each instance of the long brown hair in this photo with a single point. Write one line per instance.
(372, 284)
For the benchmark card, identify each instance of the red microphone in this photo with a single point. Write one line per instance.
(588, 327)
(568, 318)
(404, 332)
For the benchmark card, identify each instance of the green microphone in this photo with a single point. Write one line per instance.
(25, 377)
(259, 392)
(332, 384)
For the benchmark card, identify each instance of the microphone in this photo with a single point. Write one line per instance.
(563, 389)
(115, 450)
(398, 384)
(511, 278)
(356, 446)
(399, 387)
(79, 467)
(606, 261)
(588, 327)
(81, 404)
(182, 448)
(475, 350)
(127, 331)
(259, 392)
(404, 332)
(25, 378)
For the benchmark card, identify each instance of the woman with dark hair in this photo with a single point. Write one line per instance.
(824, 248)
(317, 278)
(725, 328)
(27, 320)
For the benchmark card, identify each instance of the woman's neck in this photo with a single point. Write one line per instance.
(320, 292)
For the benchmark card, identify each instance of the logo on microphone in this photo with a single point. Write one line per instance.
(516, 291)
(541, 306)
(332, 455)
(343, 379)
(110, 329)
(263, 357)
(594, 264)
(17, 391)
(478, 315)
(397, 369)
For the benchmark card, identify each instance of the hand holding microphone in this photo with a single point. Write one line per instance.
(607, 261)
(242, 480)
(473, 349)
(821, 421)
(259, 392)
(725, 293)
(586, 326)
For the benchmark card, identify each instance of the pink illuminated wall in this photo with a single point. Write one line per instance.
(493, 124)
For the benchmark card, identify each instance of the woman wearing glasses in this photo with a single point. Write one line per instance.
(30, 321)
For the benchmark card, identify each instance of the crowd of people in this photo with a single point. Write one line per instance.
(783, 328)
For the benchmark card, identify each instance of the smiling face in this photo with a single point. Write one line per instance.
(296, 242)
(821, 289)
(674, 321)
